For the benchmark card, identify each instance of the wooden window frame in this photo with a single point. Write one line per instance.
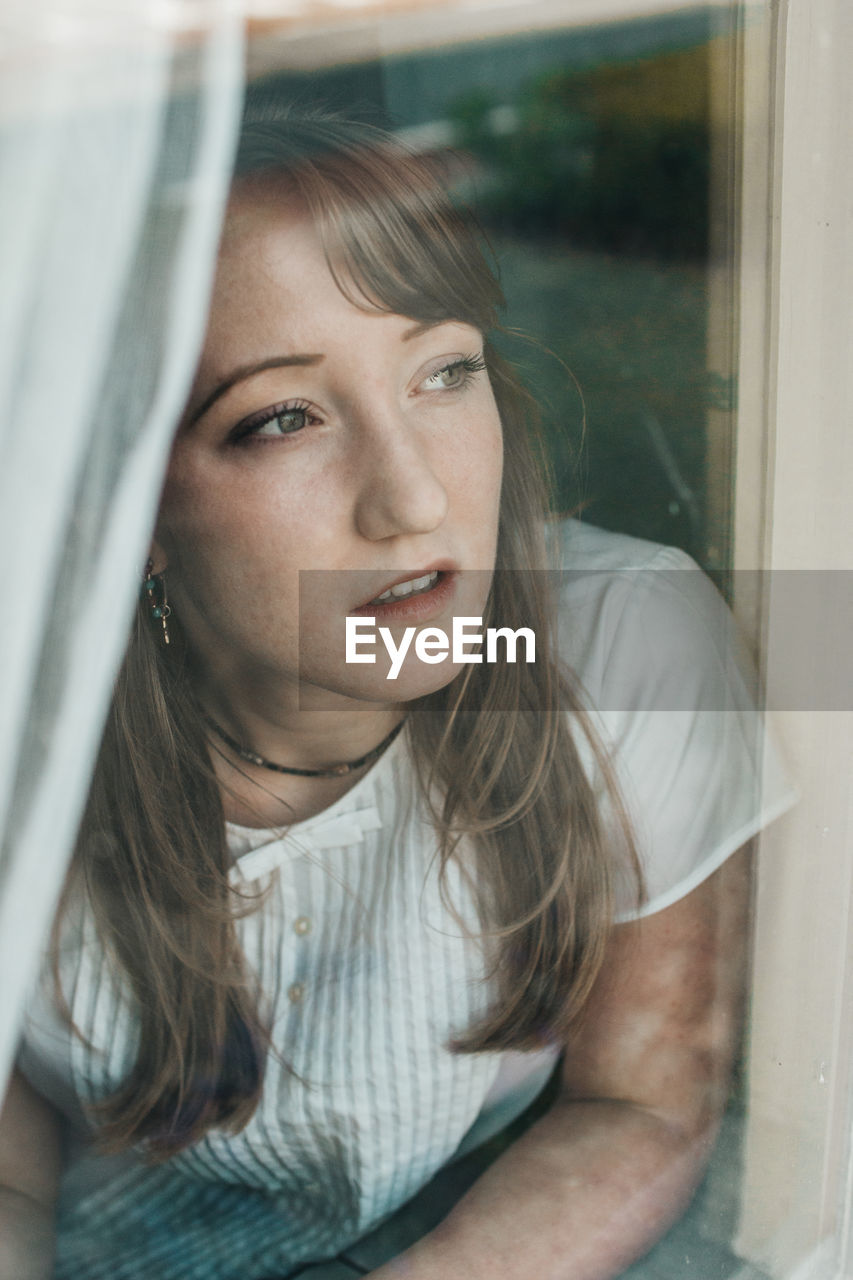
(793, 510)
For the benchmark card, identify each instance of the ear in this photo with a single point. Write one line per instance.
(157, 556)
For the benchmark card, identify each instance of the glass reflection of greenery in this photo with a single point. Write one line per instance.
(615, 157)
(594, 185)
(588, 161)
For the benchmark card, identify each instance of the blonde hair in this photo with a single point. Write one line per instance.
(495, 745)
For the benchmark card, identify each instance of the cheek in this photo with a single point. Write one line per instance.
(197, 526)
(219, 547)
(478, 473)
(212, 508)
(235, 536)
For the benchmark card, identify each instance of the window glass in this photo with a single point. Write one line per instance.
(597, 155)
(322, 1042)
(594, 156)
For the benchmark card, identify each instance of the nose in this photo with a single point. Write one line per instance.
(400, 492)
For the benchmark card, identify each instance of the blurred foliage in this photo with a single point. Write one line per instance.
(613, 157)
(594, 184)
(632, 334)
(587, 156)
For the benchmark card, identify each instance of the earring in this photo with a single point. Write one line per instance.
(154, 586)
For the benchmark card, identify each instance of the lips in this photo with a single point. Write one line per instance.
(415, 592)
(410, 587)
(411, 583)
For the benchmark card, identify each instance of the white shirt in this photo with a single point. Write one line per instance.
(368, 976)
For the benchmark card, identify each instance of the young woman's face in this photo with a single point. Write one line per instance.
(320, 436)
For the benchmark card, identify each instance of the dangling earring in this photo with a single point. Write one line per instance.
(154, 586)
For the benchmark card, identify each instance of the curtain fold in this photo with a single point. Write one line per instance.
(117, 131)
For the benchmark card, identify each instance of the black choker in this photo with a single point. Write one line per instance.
(337, 771)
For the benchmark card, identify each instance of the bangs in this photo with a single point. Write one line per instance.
(393, 239)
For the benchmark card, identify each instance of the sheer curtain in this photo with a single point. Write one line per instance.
(118, 120)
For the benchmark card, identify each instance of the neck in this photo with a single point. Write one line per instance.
(256, 796)
(337, 770)
(308, 740)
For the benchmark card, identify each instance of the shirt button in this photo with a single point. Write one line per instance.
(295, 992)
(302, 925)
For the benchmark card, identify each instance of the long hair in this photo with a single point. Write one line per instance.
(515, 803)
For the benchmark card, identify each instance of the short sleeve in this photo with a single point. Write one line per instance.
(673, 697)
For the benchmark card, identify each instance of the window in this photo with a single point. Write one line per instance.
(668, 190)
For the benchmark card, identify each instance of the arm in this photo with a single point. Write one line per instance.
(29, 1179)
(594, 1183)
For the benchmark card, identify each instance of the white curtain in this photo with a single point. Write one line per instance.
(118, 121)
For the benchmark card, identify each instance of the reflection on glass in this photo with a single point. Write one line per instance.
(277, 1081)
(587, 154)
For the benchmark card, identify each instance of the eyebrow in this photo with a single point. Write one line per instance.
(424, 327)
(286, 362)
(248, 371)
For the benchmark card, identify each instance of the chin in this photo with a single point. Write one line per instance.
(415, 680)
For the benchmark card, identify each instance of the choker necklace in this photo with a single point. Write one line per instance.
(336, 771)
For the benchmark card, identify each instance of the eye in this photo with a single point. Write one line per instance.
(455, 374)
(273, 423)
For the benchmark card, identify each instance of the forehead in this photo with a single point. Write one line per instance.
(270, 254)
(262, 213)
(293, 259)
(274, 291)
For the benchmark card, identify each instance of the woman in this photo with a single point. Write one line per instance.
(326, 929)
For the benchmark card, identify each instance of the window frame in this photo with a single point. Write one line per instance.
(794, 475)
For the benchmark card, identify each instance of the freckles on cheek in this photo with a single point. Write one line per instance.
(179, 498)
(199, 502)
(479, 469)
(187, 524)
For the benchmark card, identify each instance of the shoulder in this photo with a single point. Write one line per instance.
(635, 616)
(658, 658)
(577, 545)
